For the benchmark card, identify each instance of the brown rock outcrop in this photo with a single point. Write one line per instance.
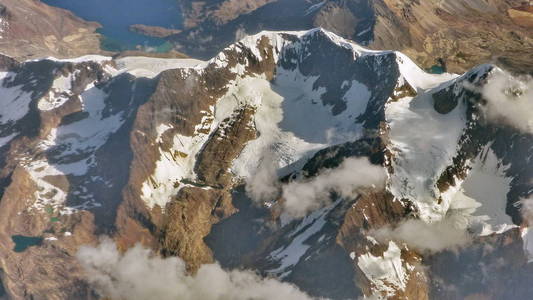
(372, 211)
(522, 16)
(188, 220)
(32, 29)
(225, 145)
(181, 99)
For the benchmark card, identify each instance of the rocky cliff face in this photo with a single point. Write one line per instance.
(156, 151)
(31, 29)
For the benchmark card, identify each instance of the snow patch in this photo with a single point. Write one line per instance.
(284, 109)
(386, 272)
(90, 133)
(85, 58)
(176, 164)
(150, 67)
(423, 143)
(14, 102)
(488, 185)
(285, 148)
(59, 94)
(416, 77)
(81, 138)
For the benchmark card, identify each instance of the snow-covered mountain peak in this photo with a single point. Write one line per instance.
(149, 148)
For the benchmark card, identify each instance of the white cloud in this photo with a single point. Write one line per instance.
(263, 185)
(526, 209)
(303, 196)
(509, 100)
(138, 274)
(417, 234)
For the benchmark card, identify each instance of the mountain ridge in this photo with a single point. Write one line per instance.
(187, 133)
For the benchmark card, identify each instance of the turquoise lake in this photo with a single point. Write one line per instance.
(436, 69)
(117, 15)
(24, 242)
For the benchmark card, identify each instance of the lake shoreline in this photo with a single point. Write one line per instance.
(138, 28)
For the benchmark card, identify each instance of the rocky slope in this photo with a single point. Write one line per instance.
(31, 29)
(456, 35)
(461, 33)
(156, 151)
(216, 11)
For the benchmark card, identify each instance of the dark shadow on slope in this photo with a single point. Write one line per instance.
(235, 240)
(100, 189)
(335, 70)
(235, 237)
(244, 240)
(34, 78)
(332, 269)
(493, 266)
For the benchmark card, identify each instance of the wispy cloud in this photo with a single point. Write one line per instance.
(138, 274)
(306, 195)
(264, 184)
(509, 100)
(526, 209)
(419, 235)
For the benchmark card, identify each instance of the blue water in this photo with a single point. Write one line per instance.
(117, 15)
(436, 69)
(24, 242)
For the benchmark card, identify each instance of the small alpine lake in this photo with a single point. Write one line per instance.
(24, 242)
